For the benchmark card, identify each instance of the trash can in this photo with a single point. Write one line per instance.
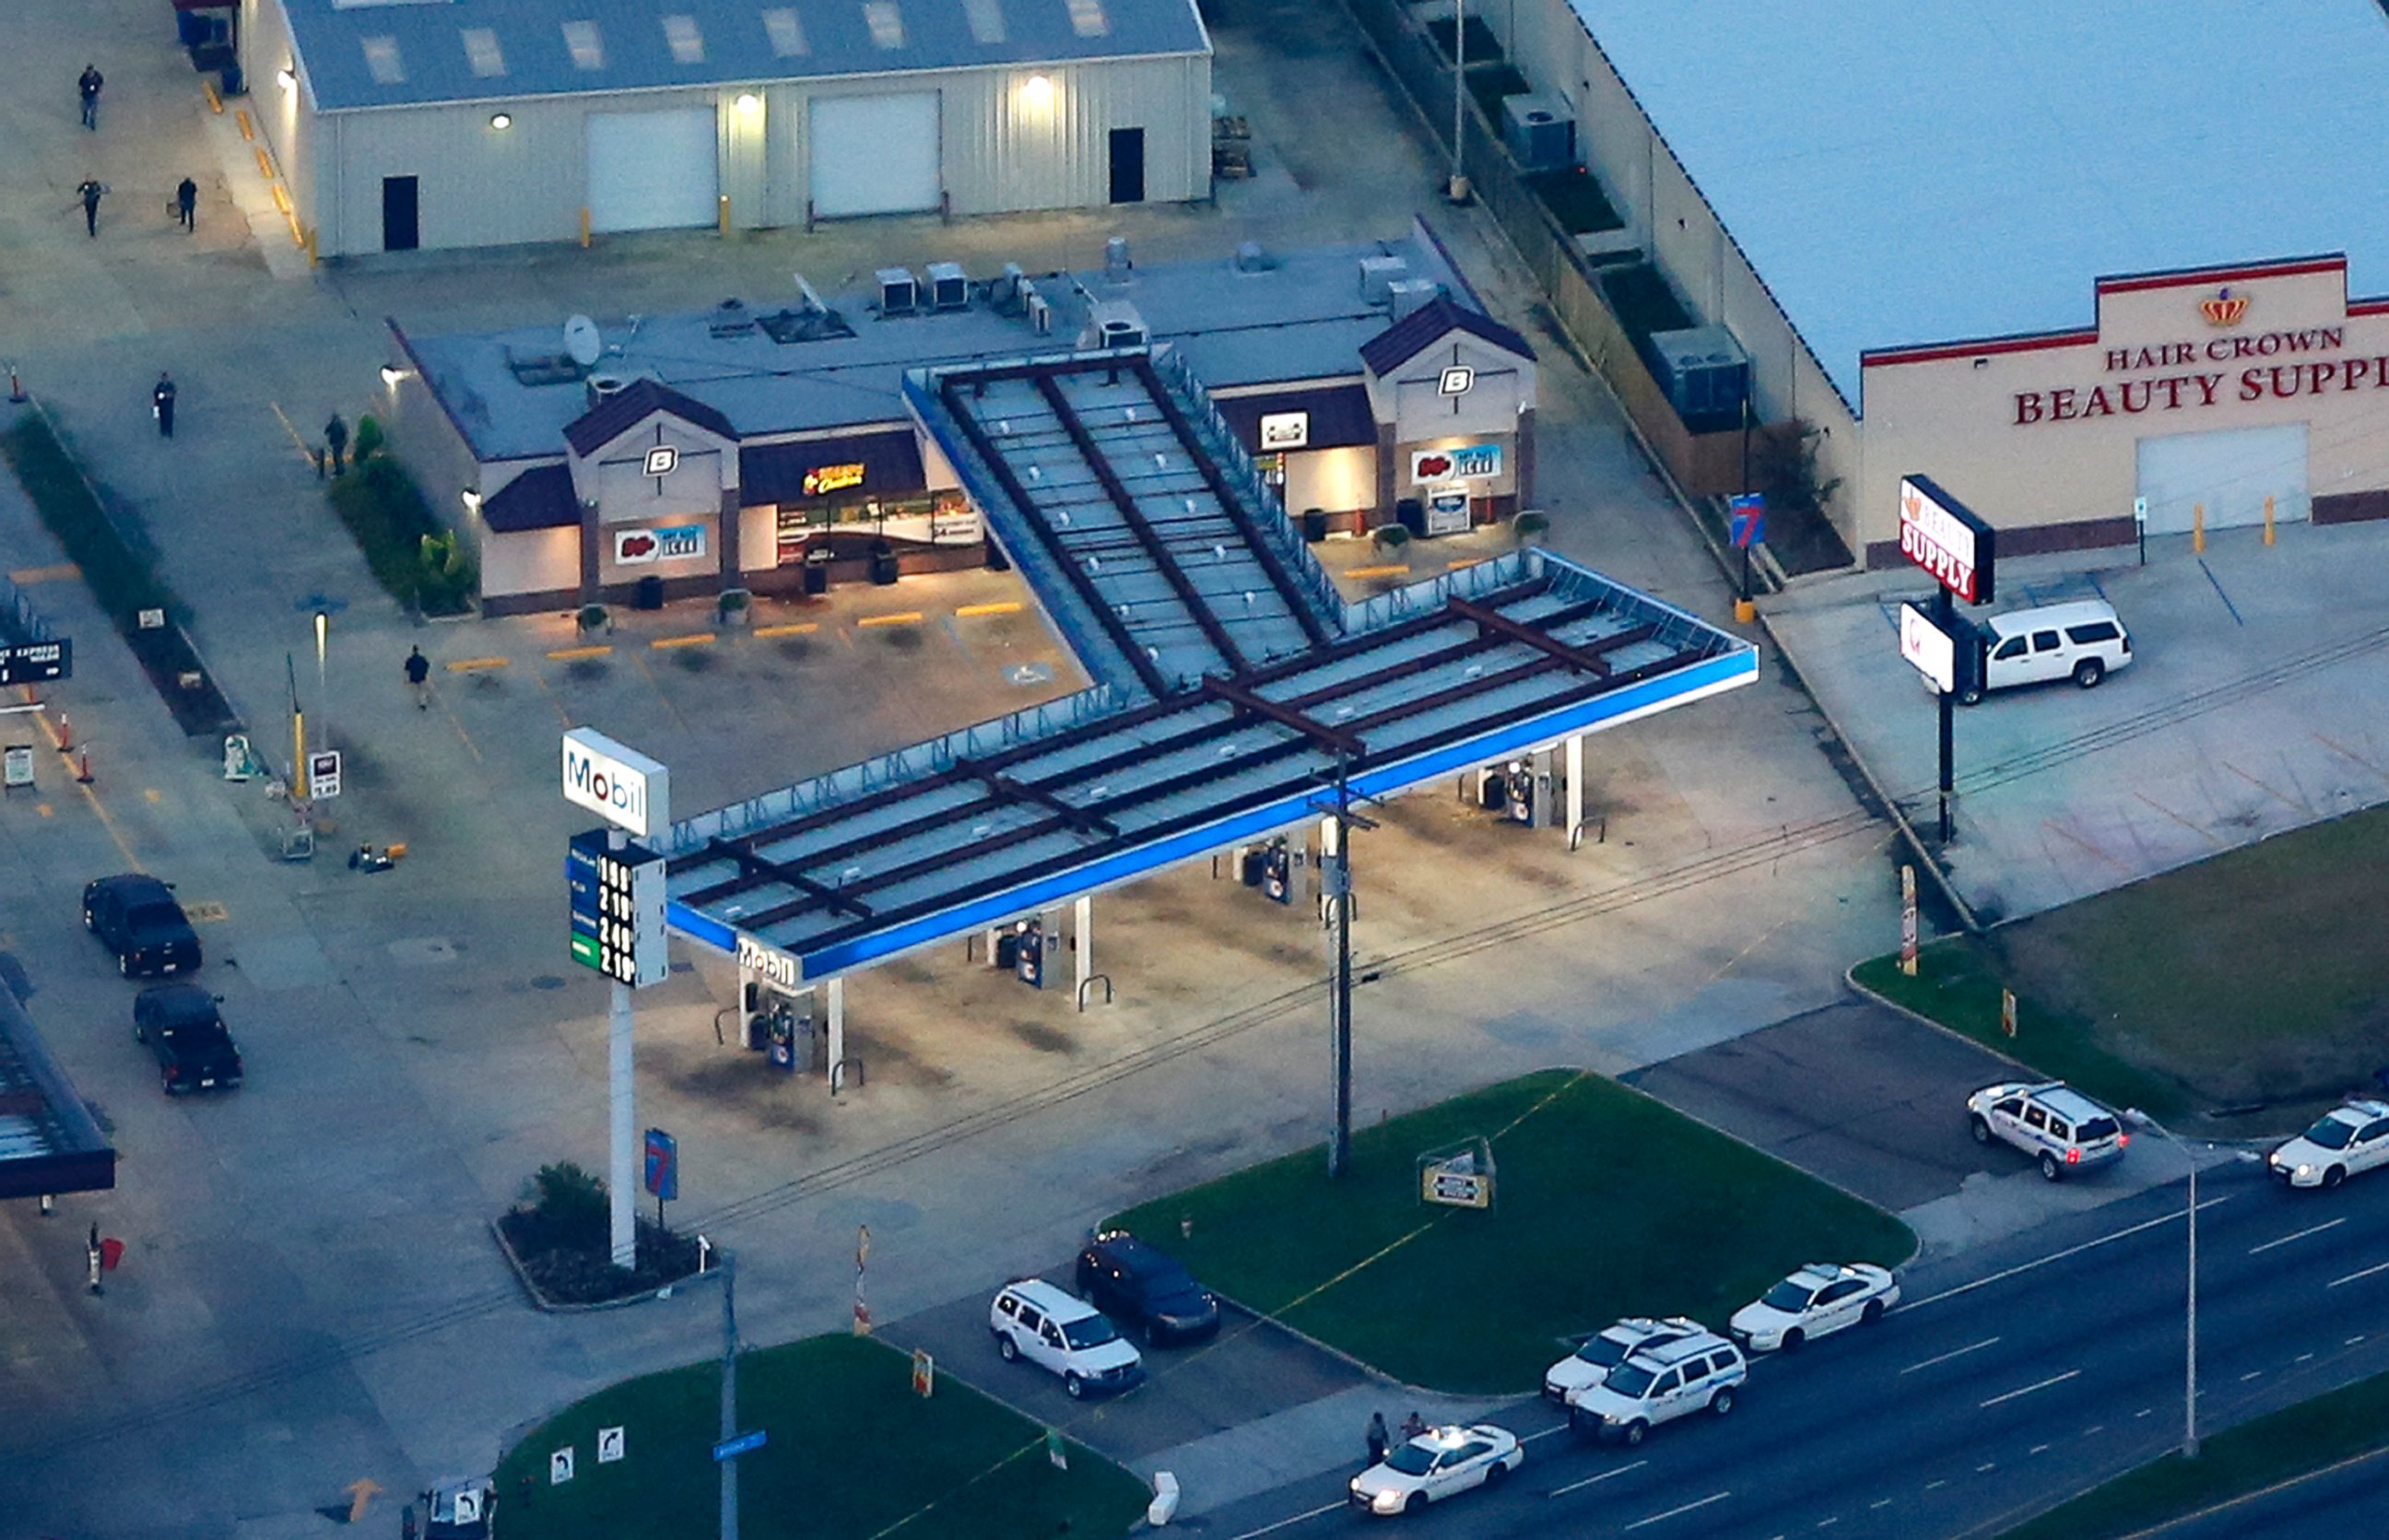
(1410, 514)
(883, 563)
(1007, 951)
(650, 594)
(233, 84)
(1314, 525)
(817, 571)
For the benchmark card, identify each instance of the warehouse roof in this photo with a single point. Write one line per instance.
(1964, 169)
(774, 368)
(399, 52)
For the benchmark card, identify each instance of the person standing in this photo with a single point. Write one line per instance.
(89, 191)
(161, 405)
(87, 87)
(1379, 1441)
(186, 204)
(336, 437)
(419, 675)
(1412, 1425)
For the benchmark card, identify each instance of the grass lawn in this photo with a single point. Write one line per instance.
(2248, 981)
(1606, 1204)
(2292, 1441)
(852, 1453)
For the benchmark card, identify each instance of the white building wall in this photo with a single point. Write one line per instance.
(284, 116)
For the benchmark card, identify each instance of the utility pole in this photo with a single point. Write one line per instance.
(1339, 889)
(728, 1393)
(1458, 191)
(1945, 615)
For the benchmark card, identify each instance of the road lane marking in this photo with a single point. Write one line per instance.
(2094, 1428)
(1288, 1523)
(1981, 1469)
(2052, 1380)
(2353, 1340)
(1529, 1438)
(2143, 1411)
(2038, 1449)
(569, 654)
(474, 664)
(1578, 1486)
(793, 628)
(2310, 1229)
(1954, 1353)
(694, 639)
(63, 572)
(2302, 1358)
(2250, 1375)
(1677, 1512)
(1001, 606)
(2376, 1267)
(1930, 1486)
(1879, 1505)
(2054, 1256)
(902, 617)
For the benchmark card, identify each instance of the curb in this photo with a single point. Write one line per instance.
(560, 1308)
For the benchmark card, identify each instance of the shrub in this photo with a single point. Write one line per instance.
(593, 618)
(368, 439)
(1391, 537)
(569, 1197)
(411, 558)
(445, 584)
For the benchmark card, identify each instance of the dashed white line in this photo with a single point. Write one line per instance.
(1529, 1438)
(2094, 1428)
(2376, 1267)
(1677, 1512)
(2038, 1449)
(2299, 1235)
(2302, 1358)
(1828, 1524)
(2041, 1385)
(1573, 1487)
(1879, 1504)
(2144, 1411)
(1953, 1353)
(1985, 1469)
(1931, 1485)
(2250, 1375)
(2353, 1340)
(1288, 1523)
(2055, 1256)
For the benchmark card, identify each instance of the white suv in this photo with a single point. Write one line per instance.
(1036, 1320)
(1660, 1384)
(1591, 1362)
(2061, 1128)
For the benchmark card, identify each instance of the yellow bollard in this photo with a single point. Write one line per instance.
(1744, 612)
(2198, 527)
(721, 214)
(2268, 521)
(215, 102)
(240, 116)
(584, 227)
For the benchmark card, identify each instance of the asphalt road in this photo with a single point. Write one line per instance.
(2345, 1499)
(2007, 1380)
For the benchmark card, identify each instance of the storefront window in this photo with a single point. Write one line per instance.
(929, 519)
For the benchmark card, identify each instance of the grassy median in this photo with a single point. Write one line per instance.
(2296, 1441)
(2249, 982)
(852, 1453)
(1606, 1204)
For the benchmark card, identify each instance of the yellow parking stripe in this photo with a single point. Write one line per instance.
(1374, 571)
(902, 617)
(797, 628)
(1005, 607)
(565, 654)
(695, 639)
(63, 572)
(473, 665)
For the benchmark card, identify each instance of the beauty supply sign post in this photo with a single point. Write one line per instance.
(1961, 552)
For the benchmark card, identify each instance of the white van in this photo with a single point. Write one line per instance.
(2083, 641)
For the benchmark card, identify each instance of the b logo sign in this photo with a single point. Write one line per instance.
(662, 460)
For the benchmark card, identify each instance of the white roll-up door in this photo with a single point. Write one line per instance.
(2229, 473)
(653, 170)
(874, 155)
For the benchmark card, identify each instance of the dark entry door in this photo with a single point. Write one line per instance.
(1128, 165)
(400, 229)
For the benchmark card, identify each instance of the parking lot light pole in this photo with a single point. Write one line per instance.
(2141, 1120)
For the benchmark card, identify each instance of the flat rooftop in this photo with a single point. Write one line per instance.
(1299, 317)
(1902, 172)
(404, 53)
(50, 1142)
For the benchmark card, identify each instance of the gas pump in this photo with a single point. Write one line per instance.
(781, 1027)
(1518, 793)
(1029, 961)
(1277, 872)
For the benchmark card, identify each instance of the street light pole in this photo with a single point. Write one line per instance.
(2190, 1355)
(1339, 887)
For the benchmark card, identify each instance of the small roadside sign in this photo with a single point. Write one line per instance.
(1054, 1450)
(323, 775)
(2008, 1011)
(1907, 920)
(17, 758)
(925, 1373)
(730, 1448)
(609, 1445)
(559, 1466)
(662, 1165)
(1746, 520)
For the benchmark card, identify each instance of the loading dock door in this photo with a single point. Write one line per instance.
(874, 155)
(652, 171)
(2229, 472)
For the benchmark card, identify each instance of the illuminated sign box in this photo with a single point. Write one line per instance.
(1928, 647)
(1941, 535)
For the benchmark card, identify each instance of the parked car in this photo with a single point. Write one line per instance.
(2084, 640)
(2059, 1126)
(1146, 1290)
(182, 1027)
(2342, 1142)
(1041, 1322)
(1816, 1301)
(1660, 1384)
(1436, 1465)
(135, 917)
(1607, 1348)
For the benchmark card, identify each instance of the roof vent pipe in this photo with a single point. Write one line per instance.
(1117, 265)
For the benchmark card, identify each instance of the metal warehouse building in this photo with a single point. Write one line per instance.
(2067, 258)
(405, 123)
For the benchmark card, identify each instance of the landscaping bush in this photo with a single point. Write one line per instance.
(562, 1236)
(393, 524)
(368, 440)
(121, 576)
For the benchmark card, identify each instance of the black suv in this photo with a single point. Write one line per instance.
(195, 1052)
(1123, 1276)
(138, 919)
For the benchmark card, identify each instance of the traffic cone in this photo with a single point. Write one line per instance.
(66, 734)
(83, 767)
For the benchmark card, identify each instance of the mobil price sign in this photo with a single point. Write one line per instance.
(1941, 535)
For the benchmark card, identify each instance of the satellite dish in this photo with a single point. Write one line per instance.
(580, 340)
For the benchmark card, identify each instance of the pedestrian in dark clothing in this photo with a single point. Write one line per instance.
(1379, 1441)
(87, 87)
(418, 674)
(186, 204)
(91, 1257)
(161, 405)
(336, 436)
(89, 191)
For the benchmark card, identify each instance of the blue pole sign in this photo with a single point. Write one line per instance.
(730, 1448)
(1747, 520)
(663, 1166)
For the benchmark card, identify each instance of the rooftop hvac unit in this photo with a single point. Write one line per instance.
(1705, 373)
(1010, 288)
(1117, 266)
(1540, 132)
(1379, 275)
(1409, 296)
(1035, 306)
(949, 287)
(899, 292)
(1115, 323)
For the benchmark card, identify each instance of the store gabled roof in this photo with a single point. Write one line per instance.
(633, 405)
(1424, 326)
(401, 53)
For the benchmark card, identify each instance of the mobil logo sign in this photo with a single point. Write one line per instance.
(619, 785)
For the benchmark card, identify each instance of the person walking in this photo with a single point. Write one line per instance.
(1379, 1441)
(186, 204)
(88, 192)
(418, 674)
(161, 405)
(87, 87)
(336, 437)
